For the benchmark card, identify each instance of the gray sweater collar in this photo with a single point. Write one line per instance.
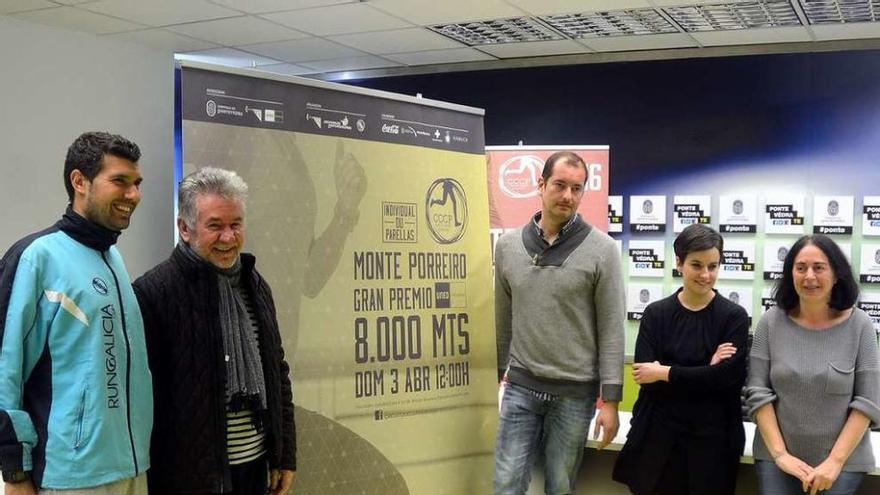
(570, 237)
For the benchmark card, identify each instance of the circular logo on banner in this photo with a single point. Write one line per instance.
(361, 125)
(446, 210)
(211, 108)
(518, 176)
(100, 286)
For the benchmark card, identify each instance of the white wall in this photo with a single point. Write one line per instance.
(55, 84)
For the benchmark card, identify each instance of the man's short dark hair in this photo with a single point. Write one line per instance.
(568, 157)
(696, 237)
(845, 292)
(86, 154)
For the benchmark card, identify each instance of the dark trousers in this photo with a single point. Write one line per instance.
(250, 478)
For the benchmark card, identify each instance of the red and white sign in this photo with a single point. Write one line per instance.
(513, 173)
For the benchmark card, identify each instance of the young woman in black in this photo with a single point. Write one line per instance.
(686, 433)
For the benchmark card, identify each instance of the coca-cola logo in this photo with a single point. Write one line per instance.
(391, 128)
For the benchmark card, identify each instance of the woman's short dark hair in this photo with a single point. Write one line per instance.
(696, 237)
(845, 292)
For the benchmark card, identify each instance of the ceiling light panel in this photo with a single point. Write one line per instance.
(510, 30)
(838, 11)
(612, 23)
(732, 16)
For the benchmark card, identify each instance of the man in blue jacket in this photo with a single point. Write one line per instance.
(76, 407)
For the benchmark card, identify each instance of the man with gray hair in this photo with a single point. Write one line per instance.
(224, 420)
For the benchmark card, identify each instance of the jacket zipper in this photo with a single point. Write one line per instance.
(80, 419)
(127, 364)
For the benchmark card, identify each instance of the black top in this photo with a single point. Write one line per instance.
(697, 414)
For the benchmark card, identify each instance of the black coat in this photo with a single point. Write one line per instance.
(688, 430)
(179, 301)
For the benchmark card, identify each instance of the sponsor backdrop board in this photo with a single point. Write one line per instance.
(639, 296)
(647, 214)
(775, 251)
(368, 215)
(871, 216)
(767, 300)
(741, 296)
(846, 247)
(784, 215)
(869, 273)
(737, 213)
(688, 210)
(833, 215)
(738, 260)
(870, 303)
(646, 258)
(615, 214)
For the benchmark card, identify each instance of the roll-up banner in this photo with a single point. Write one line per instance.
(368, 214)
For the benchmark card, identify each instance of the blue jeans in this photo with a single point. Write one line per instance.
(558, 425)
(774, 481)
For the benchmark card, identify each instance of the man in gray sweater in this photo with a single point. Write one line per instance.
(559, 309)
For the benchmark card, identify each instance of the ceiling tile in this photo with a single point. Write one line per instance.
(643, 42)
(226, 56)
(261, 6)
(160, 12)
(12, 6)
(165, 40)
(303, 50)
(752, 36)
(424, 12)
(244, 30)
(397, 41)
(440, 56)
(353, 63)
(497, 31)
(534, 49)
(611, 23)
(284, 69)
(734, 15)
(77, 20)
(846, 31)
(555, 7)
(338, 19)
(835, 11)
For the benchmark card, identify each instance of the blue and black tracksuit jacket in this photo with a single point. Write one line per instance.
(76, 405)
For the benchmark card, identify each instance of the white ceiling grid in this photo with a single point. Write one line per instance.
(343, 38)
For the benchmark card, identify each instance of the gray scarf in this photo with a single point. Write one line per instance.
(245, 384)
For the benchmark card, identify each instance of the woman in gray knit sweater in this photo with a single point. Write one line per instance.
(814, 383)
